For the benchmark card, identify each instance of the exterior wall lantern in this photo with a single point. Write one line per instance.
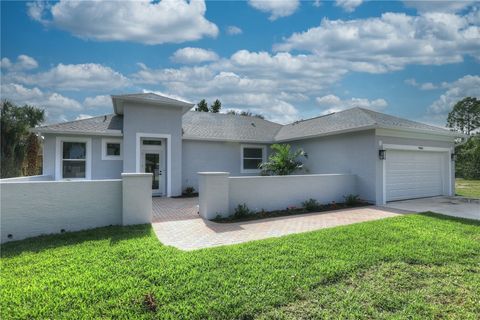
(453, 157)
(382, 154)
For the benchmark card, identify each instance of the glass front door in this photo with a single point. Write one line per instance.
(152, 165)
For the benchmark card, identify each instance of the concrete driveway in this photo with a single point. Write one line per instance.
(451, 206)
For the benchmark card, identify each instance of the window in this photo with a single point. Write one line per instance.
(111, 149)
(252, 157)
(73, 157)
(152, 142)
(74, 160)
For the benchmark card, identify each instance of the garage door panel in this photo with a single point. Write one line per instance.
(414, 174)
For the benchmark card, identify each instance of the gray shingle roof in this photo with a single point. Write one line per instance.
(218, 126)
(226, 127)
(109, 124)
(350, 120)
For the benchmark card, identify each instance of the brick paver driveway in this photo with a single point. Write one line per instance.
(177, 223)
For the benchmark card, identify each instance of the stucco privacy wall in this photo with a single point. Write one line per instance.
(101, 169)
(28, 178)
(351, 153)
(221, 194)
(211, 156)
(441, 142)
(151, 119)
(42, 207)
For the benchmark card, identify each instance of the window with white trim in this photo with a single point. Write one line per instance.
(252, 157)
(74, 160)
(111, 149)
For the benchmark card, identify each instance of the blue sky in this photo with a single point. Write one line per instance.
(286, 59)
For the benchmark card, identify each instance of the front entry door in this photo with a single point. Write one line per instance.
(153, 162)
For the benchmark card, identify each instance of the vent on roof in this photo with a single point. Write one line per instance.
(104, 118)
(253, 124)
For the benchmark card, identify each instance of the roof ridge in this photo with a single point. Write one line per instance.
(79, 120)
(365, 112)
(234, 115)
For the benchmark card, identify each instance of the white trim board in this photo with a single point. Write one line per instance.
(264, 156)
(58, 157)
(104, 149)
(168, 138)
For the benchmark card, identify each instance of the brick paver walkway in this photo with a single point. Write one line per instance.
(177, 223)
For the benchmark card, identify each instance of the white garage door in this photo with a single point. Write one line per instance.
(414, 174)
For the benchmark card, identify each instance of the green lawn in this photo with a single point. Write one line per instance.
(416, 266)
(467, 188)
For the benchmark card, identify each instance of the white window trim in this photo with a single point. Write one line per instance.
(264, 157)
(168, 141)
(387, 147)
(59, 157)
(104, 149)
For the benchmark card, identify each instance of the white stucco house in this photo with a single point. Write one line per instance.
(392, 158)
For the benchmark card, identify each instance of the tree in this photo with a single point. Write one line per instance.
(202, 106)
(14, 124)
(32, 148)
(245, 114)
(216, 106)
(467, 164)
(283, 161)
(465, 116)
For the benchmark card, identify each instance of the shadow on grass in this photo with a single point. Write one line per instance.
(466, 221)
(116, 234)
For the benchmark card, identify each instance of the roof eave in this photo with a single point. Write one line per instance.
(118, 100)
(369, 127)
(445, 132)
(71, 132)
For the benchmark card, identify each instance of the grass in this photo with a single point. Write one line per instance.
(414, 266)
(467, 188)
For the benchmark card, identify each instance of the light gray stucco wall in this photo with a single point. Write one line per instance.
(205, 156)
(144, 118)
(352, 153)
(101, 169)
(408, 142)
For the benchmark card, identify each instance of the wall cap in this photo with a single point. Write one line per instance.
(137, 174)
(214, 173)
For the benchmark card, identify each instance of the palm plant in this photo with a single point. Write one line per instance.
(282, 161)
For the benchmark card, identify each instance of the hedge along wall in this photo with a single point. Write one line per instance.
(32, 208)
(220, 194)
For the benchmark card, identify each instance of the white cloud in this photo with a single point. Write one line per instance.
(193, 55)
(55, 104)
(167, 21)
(390, 42)
(467, 86)
(439, 5)
(98, 102)
(348, 5)
(331, 103)
(422, 86)
(276, 8)
(73, 77)
(23, 62)
(234, 30)
(82, 116)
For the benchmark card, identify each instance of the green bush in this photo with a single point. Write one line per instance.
(311, 205)
(189, 191)
(351, 199)
(242, 211)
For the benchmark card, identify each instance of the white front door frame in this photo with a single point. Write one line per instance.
(414, 148)
(168, 139)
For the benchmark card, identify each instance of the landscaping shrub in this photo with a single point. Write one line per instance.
(242, 211)
(189, 191)
(352, 199)
(468, 159)
(311, 205)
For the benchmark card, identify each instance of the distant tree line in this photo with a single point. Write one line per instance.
(202, 106)
(465, 118)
